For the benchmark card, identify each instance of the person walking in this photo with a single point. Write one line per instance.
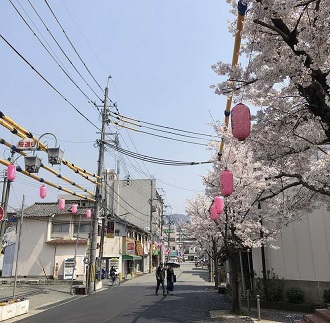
(160, 277)
(113, 274)
(170, 277)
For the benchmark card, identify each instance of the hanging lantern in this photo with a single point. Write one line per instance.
(88, 213)
(61, 203)
(219, 203)
(11, 172)
(213, 213)
(226, 182)
(74, 208)
(43, 191)
(240, 121)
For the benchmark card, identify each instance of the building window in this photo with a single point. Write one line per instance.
(117, 233)
(60, 227)
(84, 228)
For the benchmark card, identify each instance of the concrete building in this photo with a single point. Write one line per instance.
(302, 258)
(138, 202)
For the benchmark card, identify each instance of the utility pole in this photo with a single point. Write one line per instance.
(5, 200)
(98, 197)
(151, 233)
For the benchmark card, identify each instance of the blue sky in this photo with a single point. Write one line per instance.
(159, 55)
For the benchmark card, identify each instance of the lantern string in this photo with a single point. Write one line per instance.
(23, 133)
(40, 179)
(22, 153)
(241, 9)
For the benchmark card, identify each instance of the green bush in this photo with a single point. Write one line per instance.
(326, 296)
(270, 289)
(295, 295)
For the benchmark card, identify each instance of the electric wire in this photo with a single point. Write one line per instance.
(158, 179)
(133, 183)
(83, 36)
(60, 47)
(166, 127)
(155, 135)
(59, 63)
(51, 85)
(75, 50)
(155, 129)
(154, 159)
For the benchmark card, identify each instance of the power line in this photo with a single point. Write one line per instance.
(166, 127)
(160, 136)
(51, 85)
(66, 56)
(59, 63)
(159, 130)
(154, 159)
(72, 45)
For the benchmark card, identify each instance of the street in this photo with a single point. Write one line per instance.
(194, 300)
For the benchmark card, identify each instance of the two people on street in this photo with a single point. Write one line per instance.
(160, 277)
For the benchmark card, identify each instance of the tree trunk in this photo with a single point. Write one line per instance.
(233, 261)
(215, 263)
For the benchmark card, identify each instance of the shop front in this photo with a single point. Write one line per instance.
(132, 262)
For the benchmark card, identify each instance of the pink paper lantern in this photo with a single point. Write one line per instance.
(11, 172)
(43, 191)
(74, 208)
(226, 182)
(213, 213)
(219, 203)
(88, 213)
(240, 121)
(61, 203)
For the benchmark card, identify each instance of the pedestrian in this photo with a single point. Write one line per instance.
(170, 277)
(160, 277)
(113, 272)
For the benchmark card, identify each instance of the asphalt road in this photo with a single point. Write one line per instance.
(194, 300)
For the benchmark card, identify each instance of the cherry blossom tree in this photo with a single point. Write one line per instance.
(286, 77)
(204, 231)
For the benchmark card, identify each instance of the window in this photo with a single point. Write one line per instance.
(84, 228)
(60, 227)
(117, 233)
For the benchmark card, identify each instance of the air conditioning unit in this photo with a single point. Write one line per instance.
(147, 229)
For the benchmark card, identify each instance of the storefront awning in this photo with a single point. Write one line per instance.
(131, 257)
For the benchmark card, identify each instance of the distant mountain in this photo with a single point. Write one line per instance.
(177, 218)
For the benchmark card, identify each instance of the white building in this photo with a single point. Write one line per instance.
(303, 255)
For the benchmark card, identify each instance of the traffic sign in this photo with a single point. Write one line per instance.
(2, 212)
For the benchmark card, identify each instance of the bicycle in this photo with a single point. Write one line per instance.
(114, 280)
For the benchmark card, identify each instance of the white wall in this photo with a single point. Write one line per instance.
(304, 250)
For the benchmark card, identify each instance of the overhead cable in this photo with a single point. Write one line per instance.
(152, 134)
(166, 127)
(72, 45)
(51, 85)
(155, 160)
(155, 129)
(51, 55)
